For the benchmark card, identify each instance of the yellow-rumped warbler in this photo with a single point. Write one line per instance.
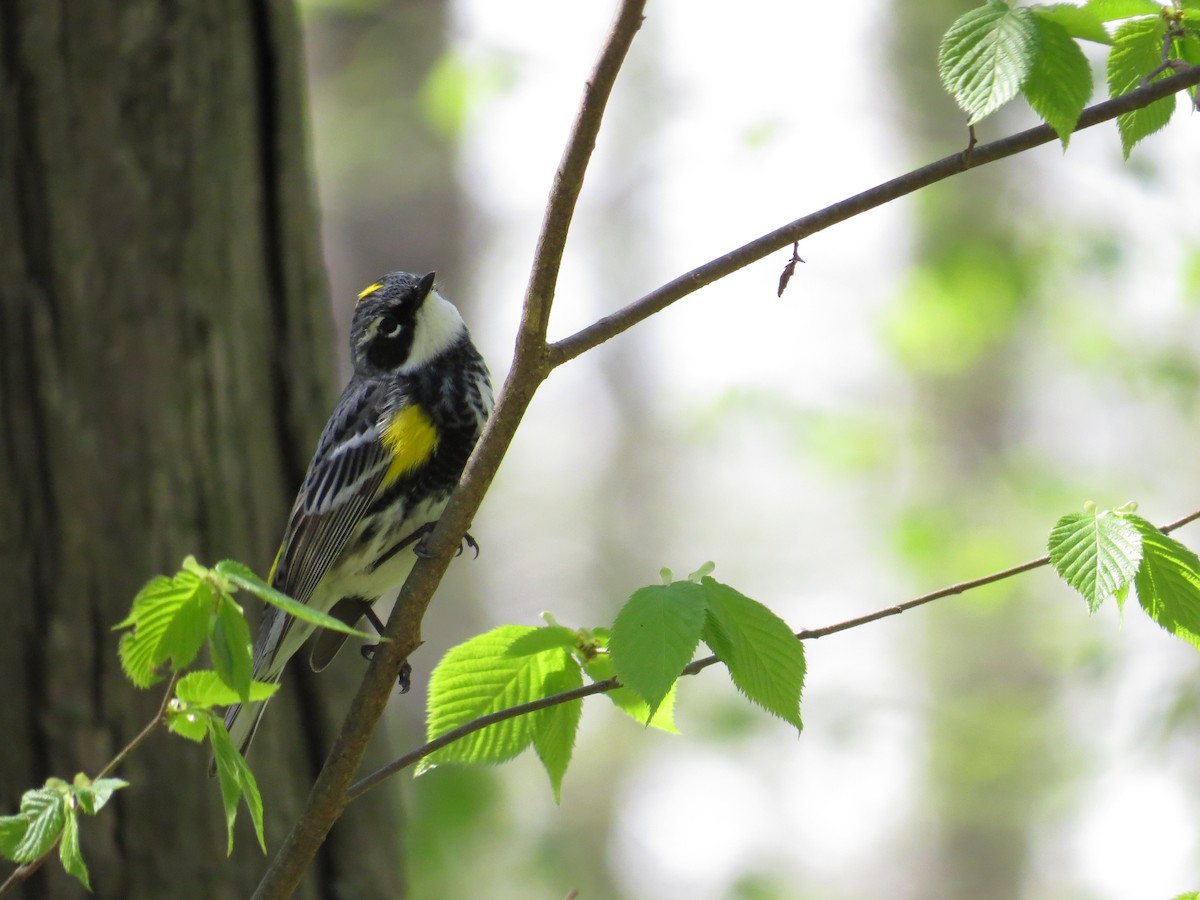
(391, 453)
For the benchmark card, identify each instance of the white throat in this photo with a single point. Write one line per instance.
(438, 326)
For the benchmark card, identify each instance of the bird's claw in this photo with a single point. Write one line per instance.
(467, 541)
(403, 680)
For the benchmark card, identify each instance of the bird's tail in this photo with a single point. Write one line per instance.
(241, 721)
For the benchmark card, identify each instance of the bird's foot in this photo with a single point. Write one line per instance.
(403, 680)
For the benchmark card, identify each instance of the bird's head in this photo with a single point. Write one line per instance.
(400, 323)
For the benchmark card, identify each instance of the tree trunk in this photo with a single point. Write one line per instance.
(165, 370)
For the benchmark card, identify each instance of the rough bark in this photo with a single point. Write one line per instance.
(164, 370)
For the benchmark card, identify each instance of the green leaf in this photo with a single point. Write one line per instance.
(170, 621)
(986, 55)
(45, 812)
(1080, 22)
(661, 717)
(230, 644)
(237, 782)
(555, 727)
(600, 668)
(1136, 52)
(253, 798)
(185, 634)
(192, 724)
(224, 754)
(1096, 553)
(1188, 48)
(204, 688)
(12, 832)
(479, 677)
(93, 795)
(69, 854)
(1168, 582)
(1110, 10)
(197, 692)
(764, 658)
(655, 635)
(241, 576)
(540, 639)
(1060, 78)
(1121, 596)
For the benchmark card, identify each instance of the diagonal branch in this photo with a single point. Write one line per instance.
(328, 798)
(955, 164)
(696, 666)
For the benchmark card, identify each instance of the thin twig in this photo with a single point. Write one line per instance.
(659, 299)
(600, 687)
(150, 728)
(521, 709)
(25, 870)
(960, 588)
(327, 798)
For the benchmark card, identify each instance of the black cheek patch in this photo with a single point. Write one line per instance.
(390, 352)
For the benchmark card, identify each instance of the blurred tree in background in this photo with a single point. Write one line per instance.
(994, 744)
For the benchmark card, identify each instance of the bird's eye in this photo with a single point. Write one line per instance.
(387, 326)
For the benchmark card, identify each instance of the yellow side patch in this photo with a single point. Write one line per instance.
(369, 290)
(410, 438)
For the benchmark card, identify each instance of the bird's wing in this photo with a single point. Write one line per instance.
(343, 479)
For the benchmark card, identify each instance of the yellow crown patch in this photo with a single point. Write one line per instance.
(369, 290)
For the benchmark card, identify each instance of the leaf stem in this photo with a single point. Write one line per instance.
(521, 709)
(151, 726)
